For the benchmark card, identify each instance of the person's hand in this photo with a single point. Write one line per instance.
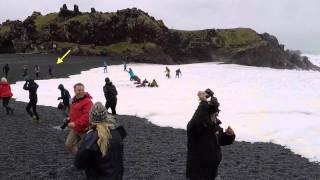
(229, 131)
(71, 125)
(58, 98)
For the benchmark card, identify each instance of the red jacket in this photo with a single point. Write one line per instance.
(5, 90)
(79, 113)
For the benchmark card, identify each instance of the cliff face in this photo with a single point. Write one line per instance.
(133, 34)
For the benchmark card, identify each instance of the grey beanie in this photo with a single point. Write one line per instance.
(99, 113)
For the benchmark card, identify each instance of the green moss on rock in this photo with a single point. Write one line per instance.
(238, 37)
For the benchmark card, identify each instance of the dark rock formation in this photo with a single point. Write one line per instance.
(135, 34)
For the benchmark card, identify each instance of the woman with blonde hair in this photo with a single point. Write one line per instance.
(5, 95)
(100, 152)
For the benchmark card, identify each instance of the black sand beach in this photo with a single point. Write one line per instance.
(36, 151)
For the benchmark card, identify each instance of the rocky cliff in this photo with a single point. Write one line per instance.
(135, 35)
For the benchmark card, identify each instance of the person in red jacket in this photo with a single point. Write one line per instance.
(78, 117)
(5, 95)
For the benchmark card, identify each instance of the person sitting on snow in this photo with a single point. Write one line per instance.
(153, 83)
(143, 84)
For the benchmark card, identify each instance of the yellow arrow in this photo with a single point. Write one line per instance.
(60, 60)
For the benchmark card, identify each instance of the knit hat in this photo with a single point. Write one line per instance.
(99, 113)
(107, 80)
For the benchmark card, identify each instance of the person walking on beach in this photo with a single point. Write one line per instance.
(32, 87)
(105, 65)
(50, 70)
(37, 71)
(178, 73)
(65, 97)
(110, 93)
(6, 70)
(100, 152)
(25, 72)
(205, 136)
(5, 95)
(78, 117)
(167, 71)
(125, 66)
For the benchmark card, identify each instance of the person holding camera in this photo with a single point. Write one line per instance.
(78, 120)
(32, 87)
(65, 96)
(100, 151)
(110, 93)
(205, 136)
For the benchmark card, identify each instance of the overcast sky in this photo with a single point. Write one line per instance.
(295, 22)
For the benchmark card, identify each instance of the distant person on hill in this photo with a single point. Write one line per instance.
(178, 73)
(25, 72)
(32, 87)
(5, 95)
(78, 117)
(50, 70)
(100, 152)
(105, 65)
(205, 136)
(6, 70)
(37, 71)
(153, 83)
(167, 71)
(65, 97)
(110, 93)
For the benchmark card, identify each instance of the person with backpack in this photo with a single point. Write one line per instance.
(32, 87)
(65, 97)
(5, 95)
(110, 93)
(205, 138)
(100, 151)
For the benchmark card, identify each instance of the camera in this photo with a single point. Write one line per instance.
(65, 123)
(209, 92)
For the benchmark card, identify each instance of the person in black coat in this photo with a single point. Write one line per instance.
(65, 96)
(6, 70)
(205, 136)
(110, 93)
(32, 87)
(100, 151)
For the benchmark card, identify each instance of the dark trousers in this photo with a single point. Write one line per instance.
(32, 104)
(112, 105)
(37, 75)
(5, 103)
(6, 74)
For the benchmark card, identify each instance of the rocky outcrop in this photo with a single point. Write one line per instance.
(135, 34)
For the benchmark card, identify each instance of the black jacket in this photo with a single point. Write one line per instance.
(6, 69)
(89, 156)
(110, 92)
(32, 87)
(204, 141)
(65, 96)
